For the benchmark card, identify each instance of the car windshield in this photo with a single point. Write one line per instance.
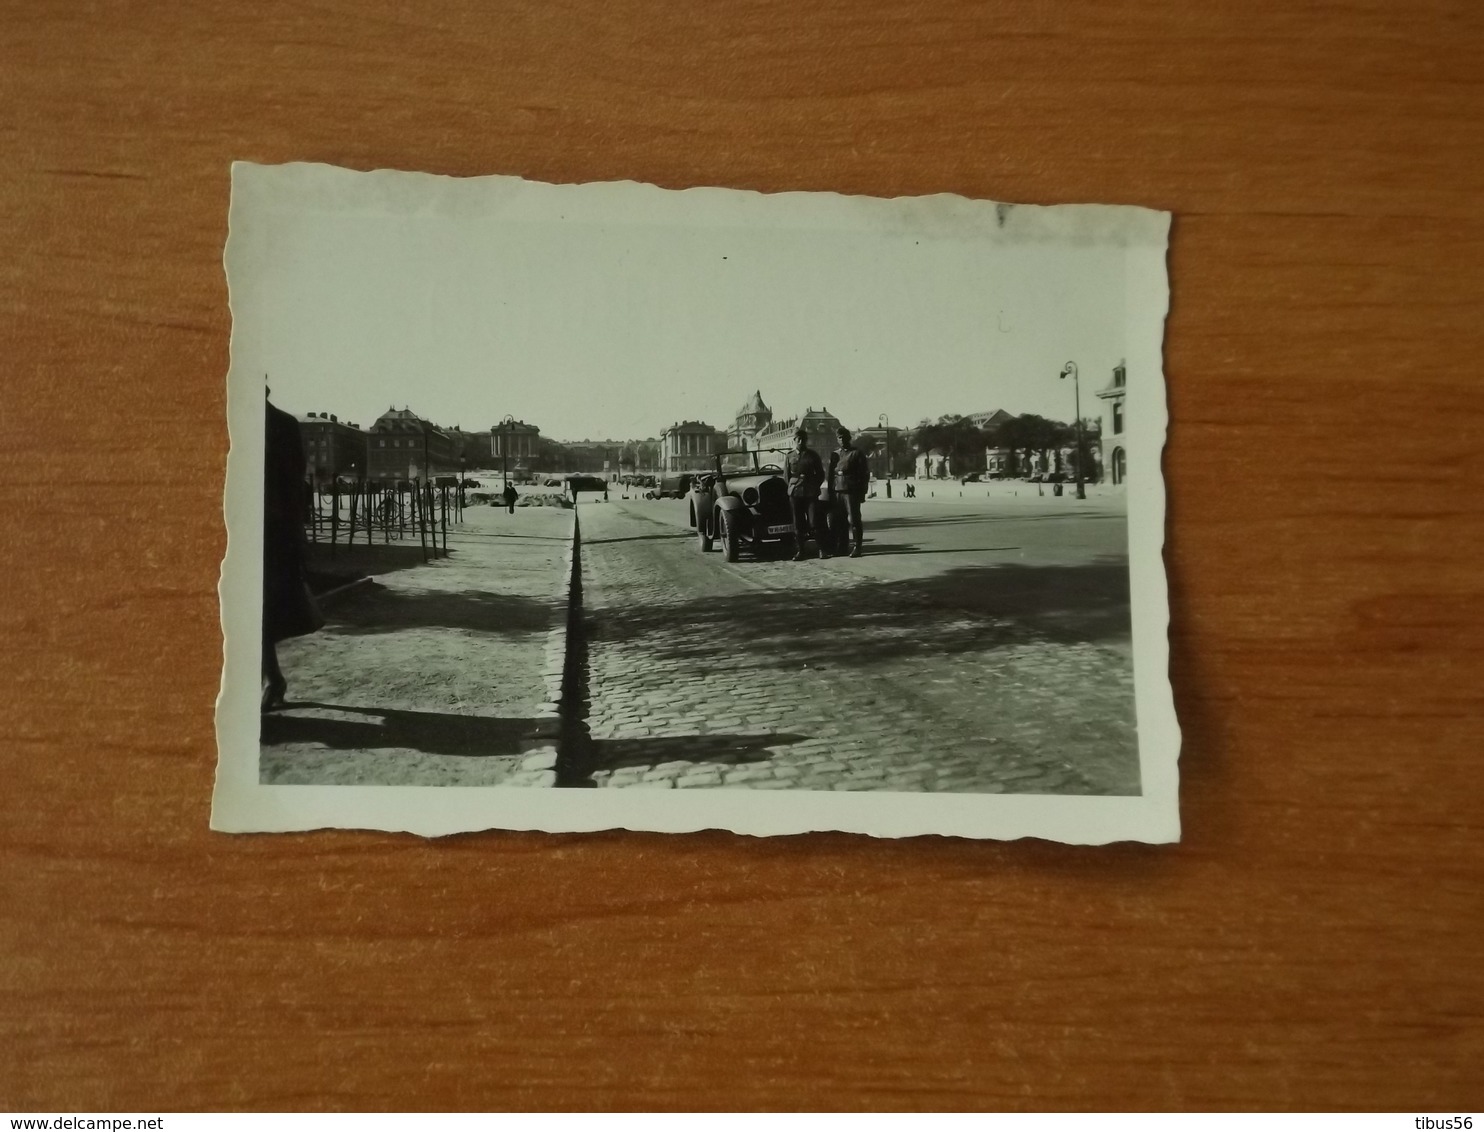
(737, 463)
(750, 462)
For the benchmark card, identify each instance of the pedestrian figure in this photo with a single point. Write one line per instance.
(510, 495)
(888, 489)
(288, 608)
(850, 476)
(804, 472)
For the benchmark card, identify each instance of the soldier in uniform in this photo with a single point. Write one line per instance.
(849, 481)
(804, 473)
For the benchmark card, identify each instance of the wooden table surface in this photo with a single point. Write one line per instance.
(1315, 941)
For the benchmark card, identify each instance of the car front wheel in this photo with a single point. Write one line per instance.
(728, 536)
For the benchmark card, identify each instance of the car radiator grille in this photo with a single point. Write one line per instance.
(773, 495)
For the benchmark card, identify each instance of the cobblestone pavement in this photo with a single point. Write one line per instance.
(432, 674)
(979, 648)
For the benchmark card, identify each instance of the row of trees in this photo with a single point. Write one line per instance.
(1024, 438)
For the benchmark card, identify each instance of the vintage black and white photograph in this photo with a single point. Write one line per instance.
(581, 506)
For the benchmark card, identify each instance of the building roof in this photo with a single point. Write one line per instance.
(754, 405)
(404, 420)
(1116, 386)
(815, 419)
(993, 417)
(326, 419)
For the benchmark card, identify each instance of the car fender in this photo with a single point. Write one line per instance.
(741, 514)
(700, 507)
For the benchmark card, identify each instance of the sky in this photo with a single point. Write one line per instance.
(594, 329)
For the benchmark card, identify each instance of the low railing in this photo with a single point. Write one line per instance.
(342, 512)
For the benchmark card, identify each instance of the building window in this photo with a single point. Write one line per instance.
(381, 444)
(1117, 418)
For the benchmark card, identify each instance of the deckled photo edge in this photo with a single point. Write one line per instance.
(243, 803)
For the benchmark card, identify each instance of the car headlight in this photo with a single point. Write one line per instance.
(750, 496)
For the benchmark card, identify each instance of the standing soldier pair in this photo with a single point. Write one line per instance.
(826, 505)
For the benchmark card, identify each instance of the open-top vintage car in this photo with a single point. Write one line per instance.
(743, 504)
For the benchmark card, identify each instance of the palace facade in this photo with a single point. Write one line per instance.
(332, 447)
(688, 446)
(403, 446)
(1112, 448)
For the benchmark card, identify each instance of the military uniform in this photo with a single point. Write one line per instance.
(804, 472)
(850, 481)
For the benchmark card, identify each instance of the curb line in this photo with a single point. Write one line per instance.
(539, 754)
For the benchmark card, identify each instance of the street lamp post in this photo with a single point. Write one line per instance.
(509, 426)
(1071, 368)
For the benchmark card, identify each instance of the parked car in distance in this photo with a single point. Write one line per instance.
(674, 485)
(972, 477)
(743, 504)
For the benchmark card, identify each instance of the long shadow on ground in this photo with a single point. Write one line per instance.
(583, 755)
(361, 560)
(895, 522)
(433, 733)
(640, 538)
(962, 610)
(879, 549)
(373, 608)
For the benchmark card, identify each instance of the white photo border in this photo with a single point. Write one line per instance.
(241, 803)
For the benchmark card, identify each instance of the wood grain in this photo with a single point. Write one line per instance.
(1315, 942)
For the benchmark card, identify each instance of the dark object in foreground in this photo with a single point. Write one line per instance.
(288, 609)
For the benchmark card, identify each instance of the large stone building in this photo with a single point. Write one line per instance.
(332, 447)
(518, 448)
(1111, 444)
(752, 418)
(403, 446)
(820, 424)
(756, 428)
(688, 446)
(597, 457)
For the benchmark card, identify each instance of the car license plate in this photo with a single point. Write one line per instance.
(785, 529)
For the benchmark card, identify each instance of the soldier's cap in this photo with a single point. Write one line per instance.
(801, 431)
